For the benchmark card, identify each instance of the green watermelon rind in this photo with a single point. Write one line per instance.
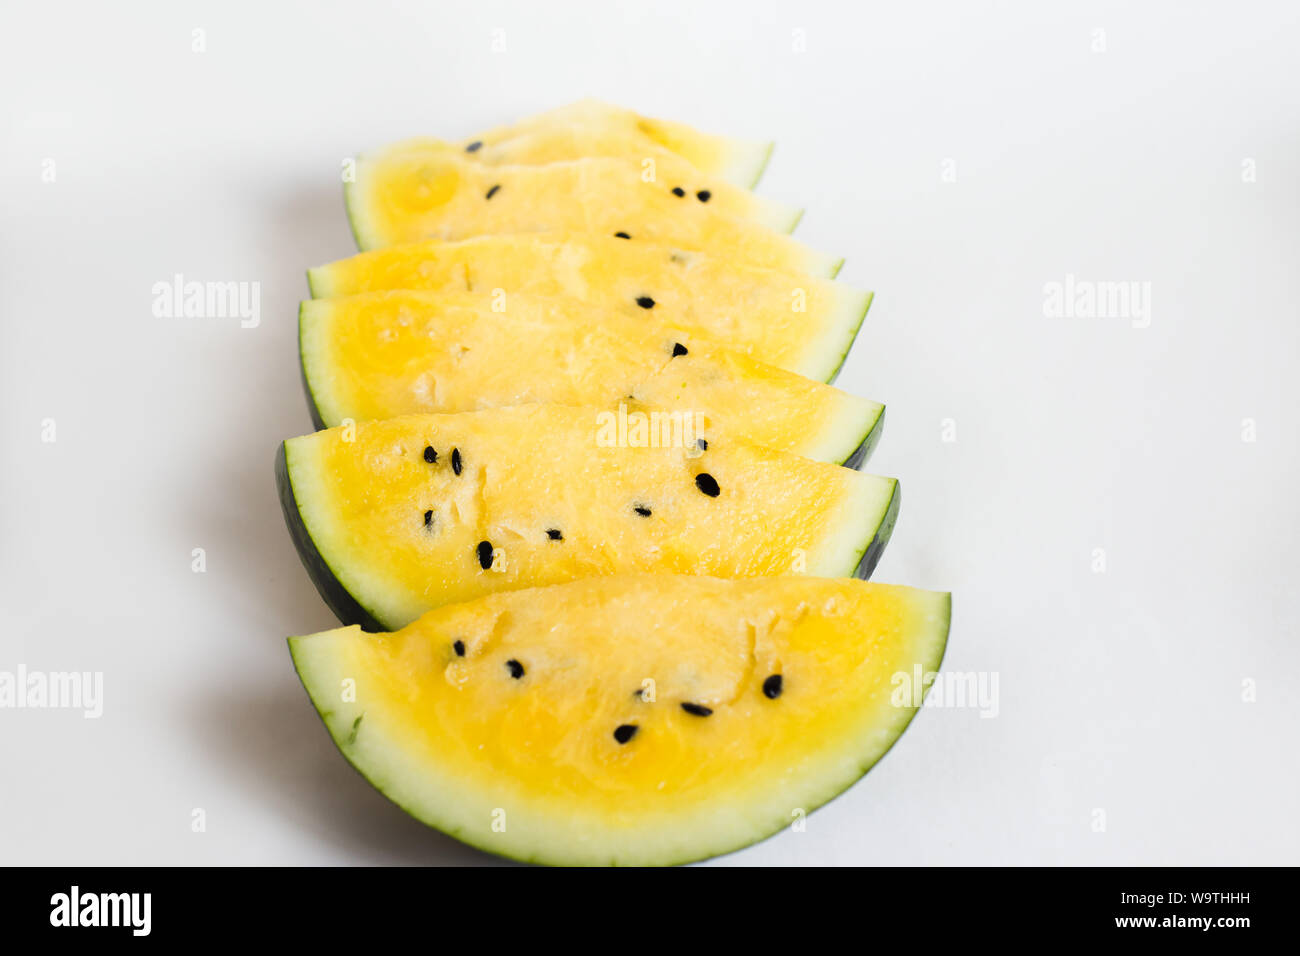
(762, 153)
(317, 282)
(856, 305)
(344, 723)
(318, 419)
(870, 554)
(351, 207)
(337, 597)
(867, 444)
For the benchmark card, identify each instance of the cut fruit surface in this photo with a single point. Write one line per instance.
(395, 517)
(408, 192)
(634, 720)
(796, 322)
(592, 128)
(386, 354)
(406, 196)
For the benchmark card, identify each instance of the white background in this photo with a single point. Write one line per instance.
(1120, 692)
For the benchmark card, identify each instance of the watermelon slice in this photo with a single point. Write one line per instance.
(634, 720)
(592, 128)
(424, 183)
(385, 354)
(395, 517)
(796, 322)
(406, 196)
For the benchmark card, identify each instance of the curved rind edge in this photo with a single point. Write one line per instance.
(340, 737)
(339, 600)
(351, 206)
(858, 457)
(762, 163)
(317, 419)
(870, 555)
(852, 338)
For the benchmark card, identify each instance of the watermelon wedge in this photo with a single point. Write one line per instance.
(795, 322)
(593, 128)
(405, 196)
(395, 517)
(386, 354)
(637, 720)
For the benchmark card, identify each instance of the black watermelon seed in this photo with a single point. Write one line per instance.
(679, 191)
(705, 482)
(697, 710)
(704, 195)
(624, 732)
(429, 454)
(621, 235)
(645, 302)
(475, 146)
(704, 446)
(484, 554)
(493, 191)
(554, 534)
(455, 460)
(459, 648)
(516, 669)
(678, 349)
(772, 687)
(642, 510)
(428, 518)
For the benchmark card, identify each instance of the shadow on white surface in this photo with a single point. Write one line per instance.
(264, 734)
(273, 745)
